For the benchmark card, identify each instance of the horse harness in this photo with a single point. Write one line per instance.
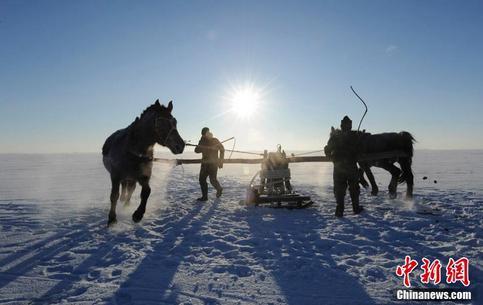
(172, 124)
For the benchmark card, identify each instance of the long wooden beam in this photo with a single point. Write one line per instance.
(226, 161)
(295, 159)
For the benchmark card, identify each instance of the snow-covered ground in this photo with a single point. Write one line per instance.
(55, 247)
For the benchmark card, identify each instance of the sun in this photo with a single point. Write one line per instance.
(245, 100)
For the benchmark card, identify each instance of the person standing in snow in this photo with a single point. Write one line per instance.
(209, 147)
(343, 148)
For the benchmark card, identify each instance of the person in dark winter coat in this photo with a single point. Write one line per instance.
(209, 147)
(343, 148)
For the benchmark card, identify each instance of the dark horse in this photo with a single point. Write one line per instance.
(390, 141)
(384, 142)
(128, 154)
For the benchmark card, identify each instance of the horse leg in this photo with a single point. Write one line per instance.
(362, 180)
(395, 172)
(130, 187)
(407, 175)
(145, 192)
(123, 191)
(367, 169)
(114, 197)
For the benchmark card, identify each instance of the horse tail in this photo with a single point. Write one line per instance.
(407, 141)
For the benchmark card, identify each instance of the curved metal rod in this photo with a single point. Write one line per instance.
(360, 122)
(233, 150)
(233, 147)
(227, 140)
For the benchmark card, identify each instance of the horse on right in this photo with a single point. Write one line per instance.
(390, 141)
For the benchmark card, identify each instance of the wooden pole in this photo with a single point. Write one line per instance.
(367, 157)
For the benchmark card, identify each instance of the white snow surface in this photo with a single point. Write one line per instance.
(55, 247)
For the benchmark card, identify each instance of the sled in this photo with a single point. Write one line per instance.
(271, 185)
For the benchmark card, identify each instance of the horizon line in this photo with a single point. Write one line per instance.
(261, 151)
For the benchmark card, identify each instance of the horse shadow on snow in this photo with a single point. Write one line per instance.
(151, 281)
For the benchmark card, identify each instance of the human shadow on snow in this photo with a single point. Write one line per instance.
(288, 244)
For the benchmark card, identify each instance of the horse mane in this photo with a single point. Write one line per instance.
(130, 130)
(154, 107)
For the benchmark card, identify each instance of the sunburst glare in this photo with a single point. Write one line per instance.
(245, 100)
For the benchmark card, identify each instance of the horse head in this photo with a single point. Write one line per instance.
(333, 133)
(165, 126)
(160, 123)
(327, 148)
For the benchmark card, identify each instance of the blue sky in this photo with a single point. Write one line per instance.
(72, 72)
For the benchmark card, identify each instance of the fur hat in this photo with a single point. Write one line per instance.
(346, 123)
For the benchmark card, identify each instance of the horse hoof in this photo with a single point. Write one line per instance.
(137, 216)
(111, 221)
(392, 195)
(374, 193)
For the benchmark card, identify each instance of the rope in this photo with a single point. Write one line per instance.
(308, 153)
(245, 152)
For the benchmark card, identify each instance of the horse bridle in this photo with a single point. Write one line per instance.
(172, 124)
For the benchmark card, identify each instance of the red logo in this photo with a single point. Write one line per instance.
(406, 269)
(456, 271)
(432, 271)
